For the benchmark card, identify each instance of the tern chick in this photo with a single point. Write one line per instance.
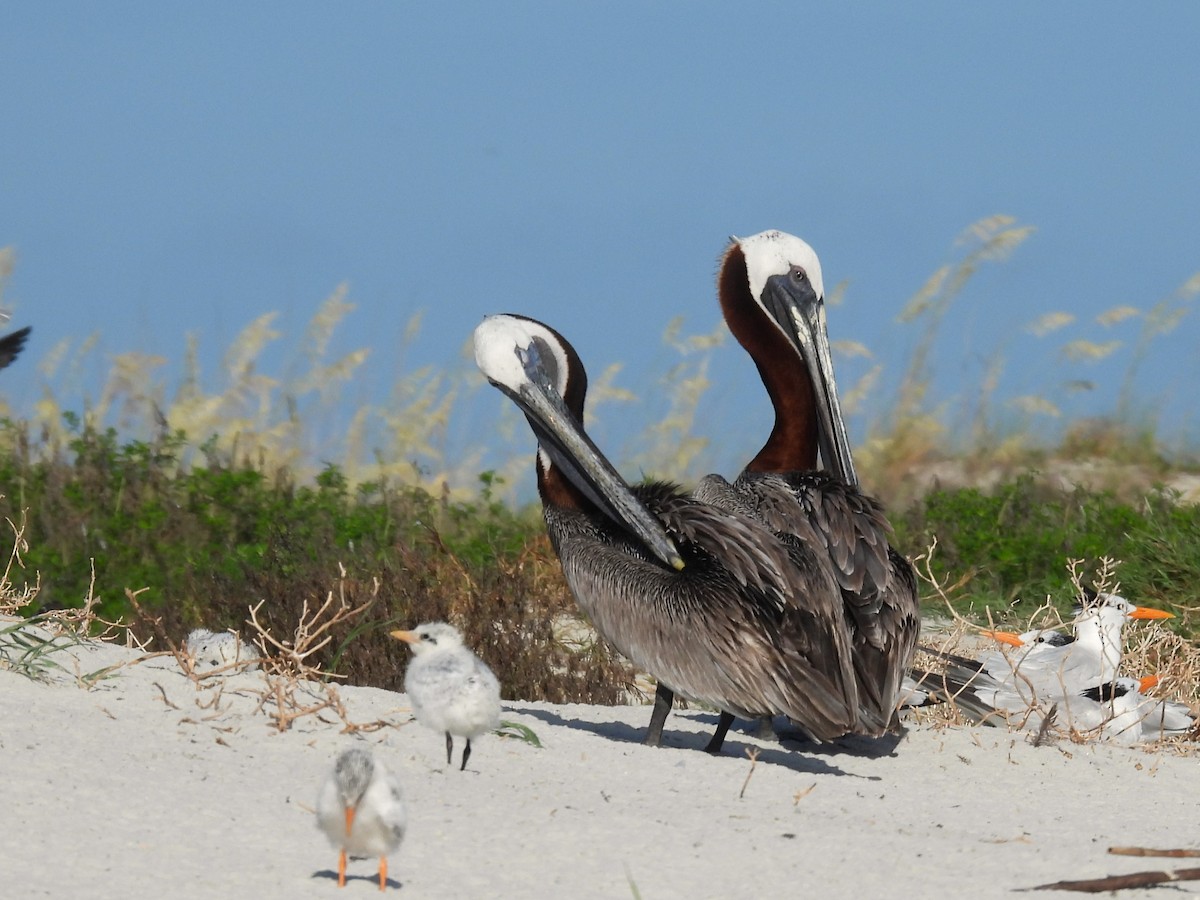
(212, 650)
(451, 689)
(361, 810)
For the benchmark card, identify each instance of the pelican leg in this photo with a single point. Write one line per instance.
(466, 755)
(449, 748)
(718, 738)
(342, 869)
(382, 872)
(664, 697)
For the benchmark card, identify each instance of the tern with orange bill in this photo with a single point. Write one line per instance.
(1117, 711)
(1047, 663)
(1052, 671)
(1125, 715)
(451, 689)
(361, 810)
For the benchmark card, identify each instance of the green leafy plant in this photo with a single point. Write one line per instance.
(1010, 544)
(520, 732)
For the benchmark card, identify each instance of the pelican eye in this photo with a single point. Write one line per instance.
(798, 276)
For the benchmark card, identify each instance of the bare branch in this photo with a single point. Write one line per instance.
(751, 752)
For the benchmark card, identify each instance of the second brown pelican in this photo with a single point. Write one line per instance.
(709, 601)
(772, 297)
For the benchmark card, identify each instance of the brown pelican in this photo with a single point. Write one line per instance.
(773, 301)
(709, 601)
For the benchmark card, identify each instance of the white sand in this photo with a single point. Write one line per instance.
(110, 792)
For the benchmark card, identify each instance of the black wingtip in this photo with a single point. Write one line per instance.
(11, 345)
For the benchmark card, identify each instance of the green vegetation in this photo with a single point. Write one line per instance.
(1011, 544)
(210, 540)
(520, 732)
(27, 650)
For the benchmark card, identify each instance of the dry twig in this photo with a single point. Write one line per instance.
(1150, 851)
(165, 698)
(751, 752)
(291, 680)
(802, 793)
(1044, 728)
(311, 633)
(12, 600)
(1120, 882)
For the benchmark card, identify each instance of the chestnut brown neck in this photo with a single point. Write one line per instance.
(554, 487)
(557, 490)
(792, 445)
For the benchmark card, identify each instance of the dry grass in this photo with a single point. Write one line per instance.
(990, 435)
(310, 413)
(28, 645)
(12, 597)
(294, 685)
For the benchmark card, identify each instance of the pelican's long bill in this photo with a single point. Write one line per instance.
(521, 358)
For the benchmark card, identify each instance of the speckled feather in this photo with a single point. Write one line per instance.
(744, 627)
(359, 782)
(877, 586)
(451, 689)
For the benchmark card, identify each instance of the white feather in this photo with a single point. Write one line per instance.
(774, 253)
(361, 782)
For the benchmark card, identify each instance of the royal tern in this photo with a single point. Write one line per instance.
(361, 810)
(1047, 664)
(451, 689)
(1075, 678)
(1120, 712)
(1117, 711)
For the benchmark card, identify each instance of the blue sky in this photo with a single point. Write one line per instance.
(170, 168)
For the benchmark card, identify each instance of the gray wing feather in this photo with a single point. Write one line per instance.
(878, 587)
(752, 625)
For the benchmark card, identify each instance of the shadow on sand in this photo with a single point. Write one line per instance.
(788, 752)
(373, 878)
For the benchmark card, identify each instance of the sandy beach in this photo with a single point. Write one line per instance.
(146, 786)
